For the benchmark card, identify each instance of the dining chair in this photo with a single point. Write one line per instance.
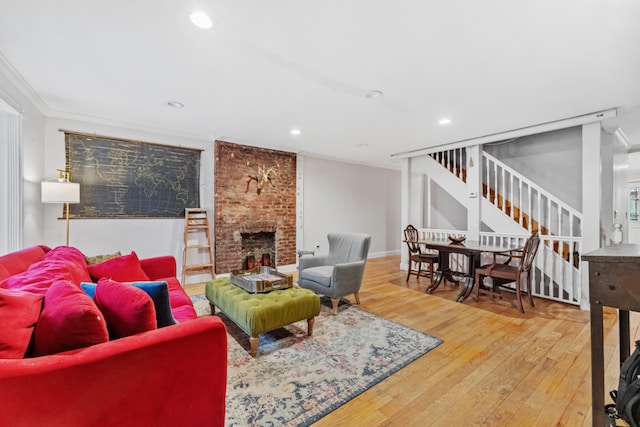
(417, 256)
(502, 274)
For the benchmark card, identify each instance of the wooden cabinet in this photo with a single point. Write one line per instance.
(614, 281)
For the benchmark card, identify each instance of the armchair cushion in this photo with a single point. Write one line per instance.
(321, 275)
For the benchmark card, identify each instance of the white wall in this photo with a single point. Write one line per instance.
(547, 159)
(147, 237)
(347, 197)
(32, 146)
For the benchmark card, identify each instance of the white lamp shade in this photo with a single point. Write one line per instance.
(60, 192)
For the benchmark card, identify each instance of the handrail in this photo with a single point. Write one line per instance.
(533, 185)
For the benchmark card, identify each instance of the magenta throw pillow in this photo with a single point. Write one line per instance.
(19, 312)
(69, 320)
(125, 268)
(127, 309)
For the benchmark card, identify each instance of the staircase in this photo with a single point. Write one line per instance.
(512, 205)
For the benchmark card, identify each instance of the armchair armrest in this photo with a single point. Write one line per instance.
(348, 276)
(309, 261)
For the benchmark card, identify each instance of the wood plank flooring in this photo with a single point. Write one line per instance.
(497, 367)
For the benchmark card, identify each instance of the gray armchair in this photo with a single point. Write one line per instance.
(338, 273)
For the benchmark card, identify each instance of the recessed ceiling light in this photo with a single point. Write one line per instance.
(295, 132)
(444, 121)
(363, 145)
(374, 94)
(201, 20)
(175, 104)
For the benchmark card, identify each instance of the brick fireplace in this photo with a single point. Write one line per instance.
(248, 223)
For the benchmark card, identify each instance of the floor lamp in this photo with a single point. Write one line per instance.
(61, 191)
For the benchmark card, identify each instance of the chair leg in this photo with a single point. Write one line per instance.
(477, 285)
(334, 304)
(529, 290)
(409, 271)
(357, 295)
(518, 295)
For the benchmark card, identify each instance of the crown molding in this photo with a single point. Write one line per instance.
(15, 78)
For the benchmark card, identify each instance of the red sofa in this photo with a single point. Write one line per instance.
(174, 375)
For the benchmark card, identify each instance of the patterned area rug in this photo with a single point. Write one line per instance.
(296, 380)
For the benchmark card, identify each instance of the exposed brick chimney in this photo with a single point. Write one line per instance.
(240, 210)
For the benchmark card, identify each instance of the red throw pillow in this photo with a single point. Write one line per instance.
(70, 320)
(124, 268)
(19, 312)
(74, 259)
(127, 309)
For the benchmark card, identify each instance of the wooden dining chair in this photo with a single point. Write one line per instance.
(417, 256)
(502, 274)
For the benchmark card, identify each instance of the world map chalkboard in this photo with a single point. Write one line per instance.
(131, 179)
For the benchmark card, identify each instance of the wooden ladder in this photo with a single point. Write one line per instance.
(196, 223)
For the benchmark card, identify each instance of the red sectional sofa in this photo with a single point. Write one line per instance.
(173, 375)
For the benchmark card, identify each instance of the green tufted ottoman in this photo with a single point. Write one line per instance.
(259, 313)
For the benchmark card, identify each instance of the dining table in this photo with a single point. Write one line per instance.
(473, 250)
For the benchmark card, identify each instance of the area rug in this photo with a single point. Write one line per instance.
(296, 380)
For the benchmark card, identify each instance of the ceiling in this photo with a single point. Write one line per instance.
(267, 67)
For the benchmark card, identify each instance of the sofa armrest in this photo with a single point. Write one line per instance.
(162, 378)
(159, 267)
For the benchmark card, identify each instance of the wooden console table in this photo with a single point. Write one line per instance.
(614, 281)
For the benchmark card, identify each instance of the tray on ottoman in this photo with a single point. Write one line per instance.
(260, 279)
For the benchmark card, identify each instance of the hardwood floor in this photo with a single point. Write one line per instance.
(497, 367)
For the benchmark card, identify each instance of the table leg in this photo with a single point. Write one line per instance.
(439, 274)
(435, 281)
(625, 334)
(597, 366)
(467, 289)
(473, 263)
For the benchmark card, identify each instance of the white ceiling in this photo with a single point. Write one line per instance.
(267, 67)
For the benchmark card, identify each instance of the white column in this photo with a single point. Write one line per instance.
(405, 208)
(474, 189)
(12, 175)
(591, 199)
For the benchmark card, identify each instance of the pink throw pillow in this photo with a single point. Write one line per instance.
(70, 320)
(124, 268)
(19, 312)
(127, 309)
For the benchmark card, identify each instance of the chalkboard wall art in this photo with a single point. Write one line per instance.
(122, 178)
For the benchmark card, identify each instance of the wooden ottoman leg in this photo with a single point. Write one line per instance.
(254, 346)
(213, 308)
(310, 323)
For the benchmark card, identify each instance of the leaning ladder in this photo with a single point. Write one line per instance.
(197, 223)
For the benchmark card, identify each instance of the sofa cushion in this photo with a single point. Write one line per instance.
(74, 259)
(159, 293)
(181, 304)
(19, 312)
(127, 309)
(97, 259)
(125, 268)
(41, 275)
(69, 320)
